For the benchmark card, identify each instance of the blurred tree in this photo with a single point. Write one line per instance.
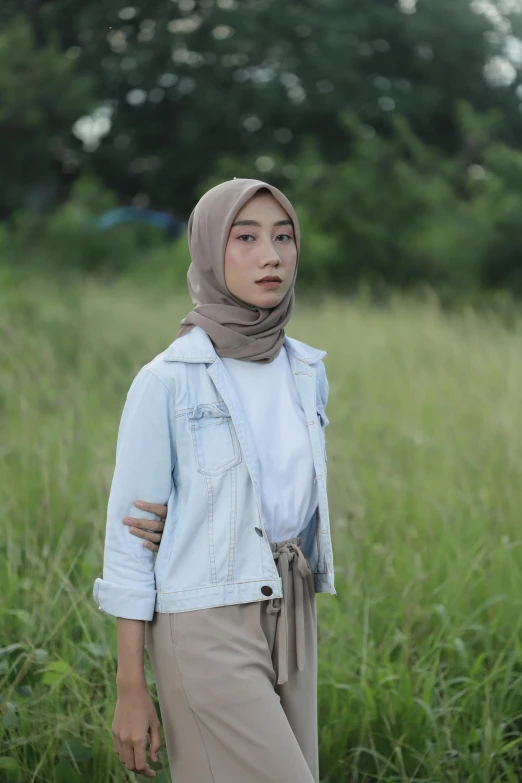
(400, 213)
(183, 82)
(395, 124)
(42, 96)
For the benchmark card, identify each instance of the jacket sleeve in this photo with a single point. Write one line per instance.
(145, 457)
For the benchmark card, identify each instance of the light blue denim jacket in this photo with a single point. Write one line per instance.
(184, 442)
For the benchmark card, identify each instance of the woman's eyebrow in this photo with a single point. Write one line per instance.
(255, 223)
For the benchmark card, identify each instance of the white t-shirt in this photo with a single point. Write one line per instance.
(271, 403)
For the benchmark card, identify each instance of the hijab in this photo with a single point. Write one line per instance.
(237, 329)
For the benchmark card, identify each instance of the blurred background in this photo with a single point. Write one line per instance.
(395, 127)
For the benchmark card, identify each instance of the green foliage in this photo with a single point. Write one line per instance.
(402, 159)
(42, 96)
(241, 79)
(397, 214)
(68, 240)
(419, 653)
(400, 214)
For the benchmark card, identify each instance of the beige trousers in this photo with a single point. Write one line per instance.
(237, 685)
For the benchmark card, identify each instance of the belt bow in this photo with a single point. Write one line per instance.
(290, 556)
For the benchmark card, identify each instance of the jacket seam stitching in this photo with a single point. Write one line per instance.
(151, 372)
(232, 549)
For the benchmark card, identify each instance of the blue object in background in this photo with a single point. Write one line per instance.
(172, 226)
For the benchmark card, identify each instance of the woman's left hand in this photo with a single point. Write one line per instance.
(149, 529)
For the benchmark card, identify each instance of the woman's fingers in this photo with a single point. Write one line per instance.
(128, 754)
(155, 740)
(156, 525)
(118, 748)
(147, 534)
(154, 508)
(152, 539)
(149, 529)
(140, 761)
(135, 758)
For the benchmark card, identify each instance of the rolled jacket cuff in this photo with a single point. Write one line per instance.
(124, 601)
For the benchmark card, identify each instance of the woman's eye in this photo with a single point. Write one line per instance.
(279, 237)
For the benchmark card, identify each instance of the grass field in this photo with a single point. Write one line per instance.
(420, 651)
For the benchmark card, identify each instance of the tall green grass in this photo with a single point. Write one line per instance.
(420, 652)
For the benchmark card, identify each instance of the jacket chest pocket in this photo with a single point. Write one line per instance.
(323, 421)
(216, 446)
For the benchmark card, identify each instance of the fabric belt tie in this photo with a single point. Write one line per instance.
(292, 555)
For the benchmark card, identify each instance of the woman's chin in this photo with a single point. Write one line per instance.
(267, 298)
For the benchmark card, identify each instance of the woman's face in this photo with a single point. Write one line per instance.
(260, 244)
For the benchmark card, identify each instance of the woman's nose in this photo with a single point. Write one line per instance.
(269, 254)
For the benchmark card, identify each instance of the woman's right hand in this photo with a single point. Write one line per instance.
(151, 530)
(135, 717)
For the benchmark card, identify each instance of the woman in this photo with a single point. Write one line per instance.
(223, 435)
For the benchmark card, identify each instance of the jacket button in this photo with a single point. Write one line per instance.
(258, 531)
(266, 590)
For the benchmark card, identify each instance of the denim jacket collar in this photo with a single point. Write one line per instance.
(196, 346)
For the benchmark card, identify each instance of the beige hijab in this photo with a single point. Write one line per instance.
(237, 330)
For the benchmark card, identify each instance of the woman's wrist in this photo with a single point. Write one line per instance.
(130, 681)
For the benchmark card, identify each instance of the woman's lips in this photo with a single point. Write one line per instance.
(269, 283)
